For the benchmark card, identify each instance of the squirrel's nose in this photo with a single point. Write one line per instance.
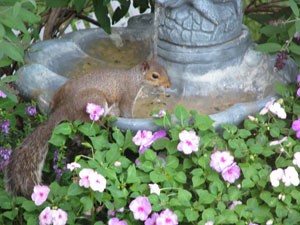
(167, 84)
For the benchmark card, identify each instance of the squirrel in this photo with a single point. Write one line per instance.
(106, 87)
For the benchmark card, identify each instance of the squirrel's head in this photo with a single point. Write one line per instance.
(155, 75)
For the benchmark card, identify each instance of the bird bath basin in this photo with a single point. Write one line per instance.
(49, 64)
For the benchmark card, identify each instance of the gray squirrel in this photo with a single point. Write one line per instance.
(106, 87)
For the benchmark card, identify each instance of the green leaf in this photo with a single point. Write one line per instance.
(131, 175)
(79, 5)
(293, 218)
(89, 129)
(146, 166)
(184, 197)
(56, 3)
(6, 103)
(142, 5)
(268, 47)
(294, 7)
(64, 128)
(113, 154)
(209, 214)
(11, 51)
(29, 17)
(203, 122)
(294, 48)
(101, 12)
(172, 162)
(87, 203)
(205, 197)
(296, 195)
(11, 215)
(191, 215)
(157, 176)
(281, 211)
(29, 206)
(160, 144)
(267, 198)
(243, 133)
(100, 142)
(227, 217)
(150, 155)
(120, 11)
(9, 79)
(297, 25)
(180, 177)
(256, 148)
(275, 132)
(2, 31)
(5, 200)
(118, 137)
(197, 181)
(74, 189)
(181, 113)
(16, 9)
(58, 140)
(247, 183)
(11, 22)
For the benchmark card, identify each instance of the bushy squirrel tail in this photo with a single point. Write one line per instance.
(24, 170)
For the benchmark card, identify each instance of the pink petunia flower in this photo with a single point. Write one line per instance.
(2, 94)
(276, 176)
(97, 182)
(275, 108)
(209, 223)
(30, 110)
(167, 217)
(141, 208)
(95, 111)
(111, 212)
(278, 142)
(234, 204)
(298, 92)
(296, 160)
(116, 221)
(152, 220)
(59, 217)
(290, 176)
(145, 138)
(73, 165)
(40, 194)
(278, 110)
(160, 114)
(296, 127)
(266, 108)
(117, 163)
(219, 160)
(231, 173)
(45, 217)
(84, 175)
(189, 142)
(154, 189)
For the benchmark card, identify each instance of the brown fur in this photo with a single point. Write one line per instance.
(112, 87)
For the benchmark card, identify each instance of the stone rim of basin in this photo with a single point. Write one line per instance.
(40, 56)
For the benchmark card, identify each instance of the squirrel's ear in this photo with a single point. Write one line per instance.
(145, 66)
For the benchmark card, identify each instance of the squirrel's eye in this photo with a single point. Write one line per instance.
(155, 76)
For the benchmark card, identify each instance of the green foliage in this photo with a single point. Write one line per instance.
(188, 185)
(275, 29)
(16, 20)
